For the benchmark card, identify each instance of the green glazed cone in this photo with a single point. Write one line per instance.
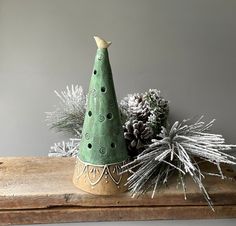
(102, 136)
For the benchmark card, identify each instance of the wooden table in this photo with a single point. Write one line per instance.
(40, 190)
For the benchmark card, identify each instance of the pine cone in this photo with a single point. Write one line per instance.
(159, 110)
(150, 108)
(137, 134)
(136, 107)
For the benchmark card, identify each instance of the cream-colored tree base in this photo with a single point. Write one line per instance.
(100, 179)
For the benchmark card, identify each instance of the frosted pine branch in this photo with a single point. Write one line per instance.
(65, 149)
(69, 114)
(175, 150)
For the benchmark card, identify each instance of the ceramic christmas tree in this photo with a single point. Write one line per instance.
(102, 149)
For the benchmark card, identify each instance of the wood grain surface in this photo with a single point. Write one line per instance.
(40, 190)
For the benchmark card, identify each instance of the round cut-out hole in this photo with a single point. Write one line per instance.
(103, 89)
(94, 72)
(90, 113)
(109, 115)
(113, 145)
(89, 146)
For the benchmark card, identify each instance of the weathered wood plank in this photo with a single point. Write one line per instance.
(37, 185)
(76, 214)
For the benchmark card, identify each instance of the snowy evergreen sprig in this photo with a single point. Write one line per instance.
(175, 151)
(69, 114)
(65, 149)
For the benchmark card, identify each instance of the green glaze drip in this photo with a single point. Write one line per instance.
(102, 137)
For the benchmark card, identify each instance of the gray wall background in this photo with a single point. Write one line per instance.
(185, 48)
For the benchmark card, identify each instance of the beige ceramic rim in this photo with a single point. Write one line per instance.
(100, 179)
